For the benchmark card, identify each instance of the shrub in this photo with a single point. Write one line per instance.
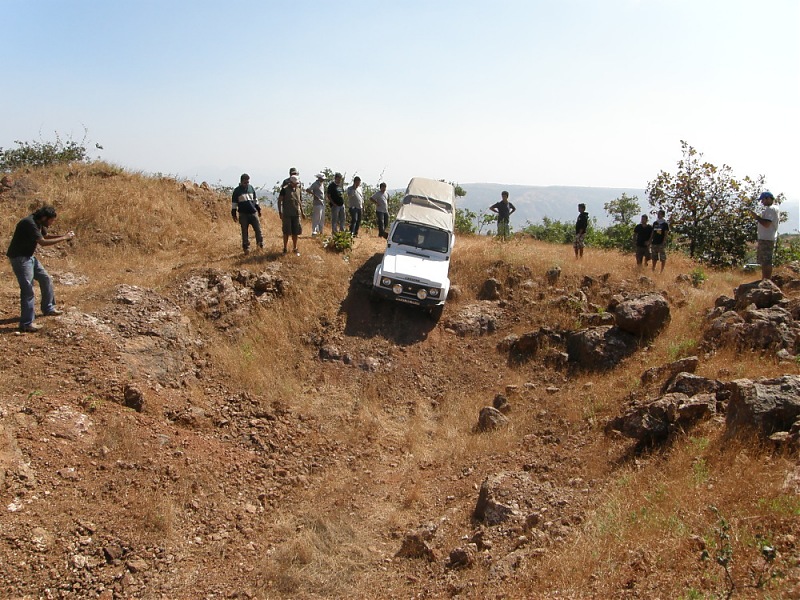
(341, 241)
(43, 154)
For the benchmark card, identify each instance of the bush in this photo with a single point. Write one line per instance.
(43, 154)
(341, 241)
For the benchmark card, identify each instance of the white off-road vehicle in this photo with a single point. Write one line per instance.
(415, 265)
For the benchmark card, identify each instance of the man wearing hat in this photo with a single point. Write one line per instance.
(290, 210)
(317, 191)
(767, 233)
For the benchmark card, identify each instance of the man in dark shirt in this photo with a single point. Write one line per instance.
(336, 198)
(30, 233)
(245, 202)
(504, 209)
(658, 241)
(641, 240)
(581, 225)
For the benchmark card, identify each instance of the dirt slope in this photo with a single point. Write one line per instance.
(149, 450)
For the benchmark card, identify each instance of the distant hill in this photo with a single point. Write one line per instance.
(561, 202)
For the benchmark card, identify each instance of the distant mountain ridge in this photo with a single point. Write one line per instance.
(560, 203)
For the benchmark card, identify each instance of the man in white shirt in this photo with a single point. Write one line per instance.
(355, 202)
(381, 201)
(317, 190)
(767, 233)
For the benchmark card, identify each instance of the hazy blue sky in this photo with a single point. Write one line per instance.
(537, 92)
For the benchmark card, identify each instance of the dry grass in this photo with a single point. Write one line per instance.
(405, 432)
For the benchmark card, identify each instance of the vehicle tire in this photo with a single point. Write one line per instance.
(435, 313)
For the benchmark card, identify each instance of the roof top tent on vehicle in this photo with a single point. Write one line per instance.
(429, 202)
(415, 265)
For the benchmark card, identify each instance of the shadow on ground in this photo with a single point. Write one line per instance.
(369, 317)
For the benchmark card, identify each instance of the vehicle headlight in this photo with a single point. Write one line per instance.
(397, 288)
(422, 294)
(434, 292)
(386, 282)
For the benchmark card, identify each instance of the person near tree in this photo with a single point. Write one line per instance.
(641, 241)
(658, 241)
(767, 233)
(504, 210)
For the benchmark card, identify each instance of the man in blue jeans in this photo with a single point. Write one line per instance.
(355, 202)
(29, 233)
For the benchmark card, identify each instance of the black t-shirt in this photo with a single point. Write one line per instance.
(660, 230)
(26, 236)
(582, 223)
(504, 209)
(643, 233)
(336, 195)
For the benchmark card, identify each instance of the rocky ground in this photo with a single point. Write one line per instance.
(131, 466)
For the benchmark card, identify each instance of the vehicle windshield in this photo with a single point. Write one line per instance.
(419, 236)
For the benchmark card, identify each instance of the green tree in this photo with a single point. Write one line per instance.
(465, 221)
(623, 210)
(707, 207)
(619, 234)
(550, 230)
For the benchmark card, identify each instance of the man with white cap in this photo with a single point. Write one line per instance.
(317, 191)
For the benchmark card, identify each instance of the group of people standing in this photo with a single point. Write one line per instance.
(246, 210)
(650, 241)
(32, 231)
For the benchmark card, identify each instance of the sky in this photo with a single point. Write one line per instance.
(526, 92)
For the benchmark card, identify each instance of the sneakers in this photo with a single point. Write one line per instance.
(297, 252)
(54, 313)
(32, 328)
(284, 250)
(246, 250)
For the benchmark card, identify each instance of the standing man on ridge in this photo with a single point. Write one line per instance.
(355, 202)
(317, 191)
(336, 198)
(767, 233)
(658, 241)
(581, 225)
(504, 210)
(381, 201)
(244, 201)
(290, 210)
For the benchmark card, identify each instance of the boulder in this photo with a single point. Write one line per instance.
(489, 508)
(654, 421)
(764, 405)
(600, 348)
(643, 316)
(553, 275)
(490, 290)
(490, 419)
(763, 294)
(528, 345)
(668, 372)
(691, 385)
